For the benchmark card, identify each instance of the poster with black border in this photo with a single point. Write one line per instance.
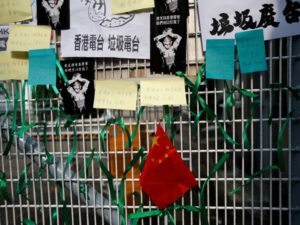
(55, 13)
(168, 43)
(78, 94)
(169, 7)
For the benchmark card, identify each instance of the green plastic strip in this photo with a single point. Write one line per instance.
(250, 178)
(28, 222)
(23, 183)
(220, 163)
(280, 142)
(4, 194)
(13, 127)
(167, 115)
(65, 212)
(54, 88)
(6, 96)
(85, 170)
(196, 121)
(140, 113)
(104, 130)
(61, 71)
(73, 149)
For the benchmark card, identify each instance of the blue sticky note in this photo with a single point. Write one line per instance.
(220, 59)
(42, 67)
(251, 51)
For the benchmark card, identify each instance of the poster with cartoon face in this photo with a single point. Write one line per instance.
(78, 93)
(55, 13)
(168, 43)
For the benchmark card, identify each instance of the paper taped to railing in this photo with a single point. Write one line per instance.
(115, 94)
(14, 11)
(121, 6)
(28, 37)
(163, 91)
(13, 66)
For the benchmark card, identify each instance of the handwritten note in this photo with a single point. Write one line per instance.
(251, 51)
(27, 37)
(13, 66)
(115, 94)
(220, 59)
(121, 6)
(15, 10)
(163, 91)
(42, 67)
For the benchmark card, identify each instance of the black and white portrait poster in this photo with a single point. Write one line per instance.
(55, 13)
(78, 93)
(168, 43)
(168, 7)
(96, 32)
(4, 32)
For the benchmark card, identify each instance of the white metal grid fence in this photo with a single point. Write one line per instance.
(266, 200)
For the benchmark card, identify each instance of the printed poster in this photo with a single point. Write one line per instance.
(55, 13)
(78, 93)
(168, 43)
(167, 7)
(95, 32)
(222, 19)
(4, 33)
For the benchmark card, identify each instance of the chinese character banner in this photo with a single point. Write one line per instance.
(222, 19)
(95, 32)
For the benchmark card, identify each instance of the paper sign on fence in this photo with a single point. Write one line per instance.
(163, 91)
(251, 51)
(115, 94)
(27, 37)
(14, 11)
(13, 66)
(220, 59)
(121, 6)
(42, 67)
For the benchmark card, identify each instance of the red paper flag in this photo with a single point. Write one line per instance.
(165, 177)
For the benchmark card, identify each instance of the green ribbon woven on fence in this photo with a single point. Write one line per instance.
(6, 96)
(104, 131)
(23, 182)
(250, 178)
(280, 142)
(4, 194)
(28, 222)
(139, 116)
(219, 164)
(167, 115)
(61, 71)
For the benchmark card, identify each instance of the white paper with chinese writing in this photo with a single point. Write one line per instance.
(222, 19)
(95, 32)
(115, 94)
(163, 91)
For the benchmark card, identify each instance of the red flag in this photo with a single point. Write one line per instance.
(165, 177)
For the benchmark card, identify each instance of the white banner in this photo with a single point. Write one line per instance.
(222, 19)
(95, 32)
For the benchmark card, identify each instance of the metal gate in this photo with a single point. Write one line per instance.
(264, 197)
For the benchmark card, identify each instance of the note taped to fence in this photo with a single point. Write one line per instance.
(27, 37)
(15, 10)
(115, 94)
(13, 66)
(42, 67)
(121, 6)
(251, 51)
(163, 91)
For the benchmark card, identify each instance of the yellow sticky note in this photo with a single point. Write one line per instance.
(14, 11)
(28, 37)
(115, 94)
(13, 66)
(122, 6)
(163, 91)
